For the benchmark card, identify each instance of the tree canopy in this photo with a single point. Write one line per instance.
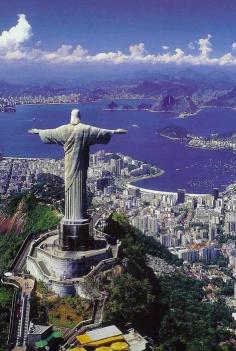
(173, 309)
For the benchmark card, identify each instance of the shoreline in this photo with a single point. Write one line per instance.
(169, 137)
(48, 103)
(129, 184)
(179, 116)
(189, 114)
(150, 176)
(186, 143)
(211, 149)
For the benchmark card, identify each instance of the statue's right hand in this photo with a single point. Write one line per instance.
(33, 131)
(120, 131)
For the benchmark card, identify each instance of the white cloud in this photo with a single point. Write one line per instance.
(80, 52)
(15, 55)
(234, 46)
(191, 45)
(205, 46)
(137, 51)
(12, 48)
(13, 38)
(227, 59)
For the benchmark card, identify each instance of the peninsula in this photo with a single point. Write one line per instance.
(226, 141)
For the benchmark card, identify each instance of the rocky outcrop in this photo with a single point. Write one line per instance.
(182, 104)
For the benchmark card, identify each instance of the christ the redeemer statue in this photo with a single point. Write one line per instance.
(76, 139)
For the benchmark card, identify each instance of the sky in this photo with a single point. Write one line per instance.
(83, 33)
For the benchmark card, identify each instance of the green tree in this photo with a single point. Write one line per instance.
(129, 299)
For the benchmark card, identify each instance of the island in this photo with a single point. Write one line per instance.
(174, 133)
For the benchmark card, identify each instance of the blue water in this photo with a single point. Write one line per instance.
(196, 170)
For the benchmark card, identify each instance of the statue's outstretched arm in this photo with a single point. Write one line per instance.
(120, 131)
(33, 131)
(51, 136)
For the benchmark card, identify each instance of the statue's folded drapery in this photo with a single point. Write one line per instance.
(76, 140)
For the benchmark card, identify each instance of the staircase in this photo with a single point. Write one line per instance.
(23, 321)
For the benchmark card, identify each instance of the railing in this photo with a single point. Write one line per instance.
(22, 321)
(12, 326)
(78, 329)
(71, 336)
(40, 271)
(81, 329)
(107, 262)
(51, 255)
(24, 245)
(11, 281)
(42, 237)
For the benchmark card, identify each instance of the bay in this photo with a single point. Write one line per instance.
(196, 170)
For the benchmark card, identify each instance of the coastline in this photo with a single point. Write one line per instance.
(186, 115)
(180, 116)
(48, 103)
(130, 184)
(91, 102)
(211, 149)
(137, 179)
(181, 140)
(169, 137)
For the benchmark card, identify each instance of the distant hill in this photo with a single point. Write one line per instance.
(167, 87)
(97, 94)
(226, 100)
(8, 89)
(182, 104)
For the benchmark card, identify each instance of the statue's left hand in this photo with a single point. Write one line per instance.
(121, 131)
(33, 131)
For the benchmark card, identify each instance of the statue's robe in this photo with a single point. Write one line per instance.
(76, 140)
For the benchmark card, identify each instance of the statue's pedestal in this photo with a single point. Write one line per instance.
(75, 235)
(64, 271)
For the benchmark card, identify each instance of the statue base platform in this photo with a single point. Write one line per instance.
(75, 235)
(65, 271)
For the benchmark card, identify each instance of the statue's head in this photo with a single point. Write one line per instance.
(75, 117)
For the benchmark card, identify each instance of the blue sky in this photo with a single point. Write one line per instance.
(107, 32)
(111, 24)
